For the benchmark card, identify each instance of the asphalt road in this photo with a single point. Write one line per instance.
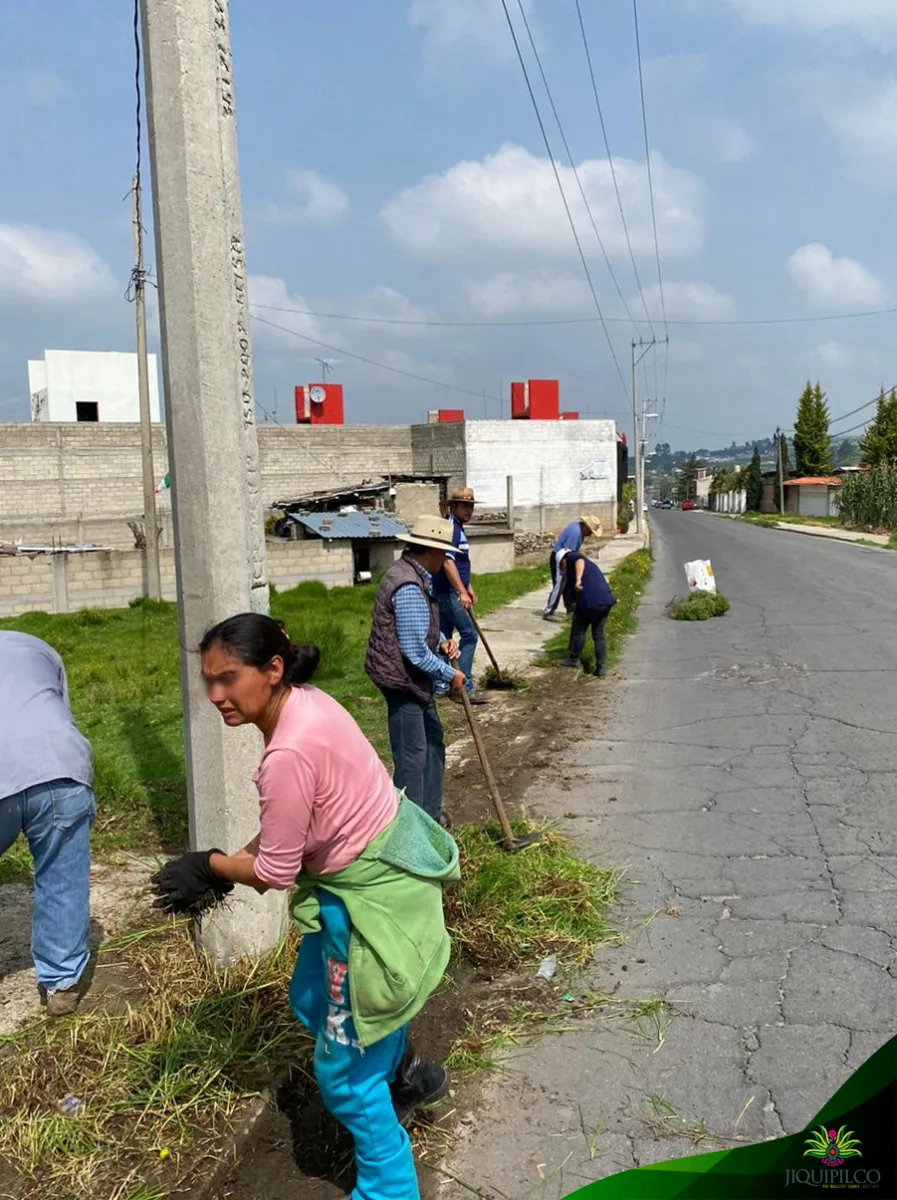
(744, 771)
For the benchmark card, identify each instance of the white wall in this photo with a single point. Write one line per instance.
(107, 378)
(545, 458)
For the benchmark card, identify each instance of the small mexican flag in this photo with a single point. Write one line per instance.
(164, 484)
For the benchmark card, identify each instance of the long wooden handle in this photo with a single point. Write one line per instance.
(507, 831)
(486, 645)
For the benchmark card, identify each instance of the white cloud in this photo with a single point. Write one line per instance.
(49, 265)
(537, 292)
(834, 354)
(864, 120)
(826, 280)
(470, 25)
(508, 205)
(320, 202)
(277, 301)
(873, 20)
(687, 301)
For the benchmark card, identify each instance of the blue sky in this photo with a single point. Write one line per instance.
(392, 167)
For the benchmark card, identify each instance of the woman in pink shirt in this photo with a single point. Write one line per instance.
(325, 800)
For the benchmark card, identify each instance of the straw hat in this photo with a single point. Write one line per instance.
(433, 532)
(593, 524)
(462, 496)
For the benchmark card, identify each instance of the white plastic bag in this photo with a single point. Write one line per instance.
(700, 575)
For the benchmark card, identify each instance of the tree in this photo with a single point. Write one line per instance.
(878, 445)
(847, 453)
(686, 486)
(812, 446)
(753, 484)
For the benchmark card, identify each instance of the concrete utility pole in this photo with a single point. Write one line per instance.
(213, 445)
(780, 445)
(150, 523)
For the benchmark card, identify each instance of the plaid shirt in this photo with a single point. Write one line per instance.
(412, 626)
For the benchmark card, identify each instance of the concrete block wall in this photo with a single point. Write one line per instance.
(53, 474)
(69, 582)
(414, 500)
(296, 460)
(440, 450)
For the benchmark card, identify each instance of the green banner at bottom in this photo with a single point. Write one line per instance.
(850, 1148)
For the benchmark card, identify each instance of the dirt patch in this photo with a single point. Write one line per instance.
(119, 898)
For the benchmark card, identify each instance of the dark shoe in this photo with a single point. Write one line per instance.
(445, 820)
(569, 662)
(477, 698)
(417, 1085)
(547, 615)
(600, 673)
(63, 1003)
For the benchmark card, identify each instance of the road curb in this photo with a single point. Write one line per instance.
(864, 542)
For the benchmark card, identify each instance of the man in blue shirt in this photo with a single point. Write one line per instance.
(454, 591)
(403, 660)
(570, 541)
(589, 594)
(46, 778)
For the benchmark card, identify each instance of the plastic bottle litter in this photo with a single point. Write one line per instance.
(70, 1105)
(547, 968)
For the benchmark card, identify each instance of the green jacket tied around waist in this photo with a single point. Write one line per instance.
(399, 947)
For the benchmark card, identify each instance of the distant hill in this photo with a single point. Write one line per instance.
(665, 461)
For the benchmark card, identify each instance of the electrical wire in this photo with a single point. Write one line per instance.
(853, 412)
(641, 86)
(556, 321)
(574, 168)
(610, 163)
(372, 362)
(557, 176)
(137, 277)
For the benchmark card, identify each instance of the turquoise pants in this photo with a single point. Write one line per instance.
(354, 1082)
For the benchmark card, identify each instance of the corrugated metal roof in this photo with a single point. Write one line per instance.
(351, 525)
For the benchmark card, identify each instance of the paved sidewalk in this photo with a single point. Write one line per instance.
(518, 632)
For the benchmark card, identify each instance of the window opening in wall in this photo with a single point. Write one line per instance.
(87, 410)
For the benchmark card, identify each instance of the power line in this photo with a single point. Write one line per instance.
(556, 321)
(573, 166)
(853, 411)
(610, 163)
(554, 167)
(641, 86)
(372, 362)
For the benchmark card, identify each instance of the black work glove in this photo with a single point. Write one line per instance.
(188, 884)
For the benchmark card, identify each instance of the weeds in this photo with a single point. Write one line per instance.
(161, 1081)
(515, 909)
(698, 606)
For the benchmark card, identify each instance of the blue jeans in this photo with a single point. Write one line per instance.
(452, 616)
(354, 1083)
(55, 818)
(418, 750)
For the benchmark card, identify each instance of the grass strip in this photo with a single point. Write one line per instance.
(123, 668)
(513, 910)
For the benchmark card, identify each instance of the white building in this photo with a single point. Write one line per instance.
(85, 385)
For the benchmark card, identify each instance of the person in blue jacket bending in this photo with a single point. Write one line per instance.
(570, 541)
(589, 595)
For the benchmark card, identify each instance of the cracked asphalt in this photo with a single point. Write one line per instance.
(744, 772)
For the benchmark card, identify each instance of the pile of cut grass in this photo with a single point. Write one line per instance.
(698, 606)
(510, 910)
(160, 1081)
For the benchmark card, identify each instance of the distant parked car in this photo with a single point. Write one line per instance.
(666, 504)
(688, 505)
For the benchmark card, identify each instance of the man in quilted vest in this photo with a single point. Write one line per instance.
(403, 660)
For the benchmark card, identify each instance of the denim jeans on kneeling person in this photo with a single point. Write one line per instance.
(452, 616)
(418, 749)
(55, 818)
